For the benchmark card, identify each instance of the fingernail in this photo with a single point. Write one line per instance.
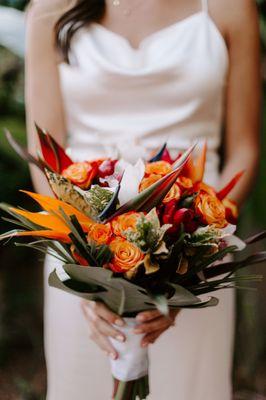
(119, 322)
(140, 318)
(120, 338)
(113, 356)
(144, 344)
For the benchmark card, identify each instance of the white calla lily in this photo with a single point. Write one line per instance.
(129, 185)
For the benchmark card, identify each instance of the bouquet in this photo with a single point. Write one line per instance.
(136, 237)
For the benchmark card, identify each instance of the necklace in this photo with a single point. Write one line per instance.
(126, 11)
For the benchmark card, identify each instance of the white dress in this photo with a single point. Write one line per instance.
(170, 88)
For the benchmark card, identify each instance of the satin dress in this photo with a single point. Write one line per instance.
(118, 98)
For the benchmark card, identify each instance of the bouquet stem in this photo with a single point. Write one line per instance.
(131, 390)
(130, 370)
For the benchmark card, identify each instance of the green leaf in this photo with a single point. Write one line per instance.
(120, 295)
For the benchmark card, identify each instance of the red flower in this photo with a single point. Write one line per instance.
(107, 168)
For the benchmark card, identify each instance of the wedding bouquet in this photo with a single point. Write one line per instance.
(135, 237)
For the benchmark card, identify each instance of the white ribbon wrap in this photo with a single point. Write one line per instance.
(133, 361)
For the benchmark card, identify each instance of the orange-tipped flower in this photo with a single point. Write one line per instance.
(231, 210)
(173, 194)
(52, 205)
(230, 186)
(148, 181)
(159, 168)
(126, 255)
(100, 233)
(210, 210)
(195, 168)
(125, 221)
(81, 173)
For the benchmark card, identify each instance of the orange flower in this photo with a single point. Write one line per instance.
(231, 210)
(184, 182)
(147, 182)
(173, 194)
(158, 168)
(80, 260)
(100, 233)
(203, 187)
(210, 209)
(81, 173)
(126, 255)
(125, 221)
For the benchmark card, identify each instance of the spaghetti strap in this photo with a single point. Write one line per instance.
(204, 5)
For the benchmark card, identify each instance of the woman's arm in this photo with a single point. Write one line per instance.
(243, 97)
(42, 88)
(44, 106)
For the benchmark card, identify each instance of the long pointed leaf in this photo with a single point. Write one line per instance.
(159, 154)
(21, 151)
(231, 267)
(256, 238)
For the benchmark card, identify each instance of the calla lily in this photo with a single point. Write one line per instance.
(129, 186)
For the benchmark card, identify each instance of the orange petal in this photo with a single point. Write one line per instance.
(229, 187)
(54, 235)
(45, 220)
(200, 164)
(189, 169)
(50, 203)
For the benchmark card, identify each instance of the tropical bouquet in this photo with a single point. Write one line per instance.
(136, 237)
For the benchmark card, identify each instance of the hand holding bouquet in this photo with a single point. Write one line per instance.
(135, 237)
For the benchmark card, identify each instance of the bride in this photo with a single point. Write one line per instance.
(132, 74)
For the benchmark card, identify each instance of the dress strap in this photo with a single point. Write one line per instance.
(205, 6)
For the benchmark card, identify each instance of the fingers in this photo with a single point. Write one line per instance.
(103, 343)
(148, 315)
(95, 314)
(151, 338)
(154, 325)
(101, 310)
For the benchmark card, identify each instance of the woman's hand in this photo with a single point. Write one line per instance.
(101, 321)
(153, 324)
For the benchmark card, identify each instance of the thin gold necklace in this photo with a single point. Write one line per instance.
(126, 11)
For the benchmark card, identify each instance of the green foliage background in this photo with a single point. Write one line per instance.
(21, 272)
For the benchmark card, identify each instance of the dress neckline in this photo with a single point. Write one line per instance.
(155, 34)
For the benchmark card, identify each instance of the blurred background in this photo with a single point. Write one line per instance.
(22, 367)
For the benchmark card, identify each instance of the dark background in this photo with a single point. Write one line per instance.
(22, 369)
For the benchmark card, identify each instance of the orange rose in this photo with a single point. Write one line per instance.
(100, 233)
(81, 173)
(147, 182)
(126, 255)
(231, 210)
(184, 182)
(125, 221)
(210, 209)
(173, 194)
(203, 187)
(158, 168)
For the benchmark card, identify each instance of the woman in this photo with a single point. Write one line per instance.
(189, 67)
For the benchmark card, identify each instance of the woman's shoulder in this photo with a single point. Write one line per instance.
(48, 9)
(234, 16)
